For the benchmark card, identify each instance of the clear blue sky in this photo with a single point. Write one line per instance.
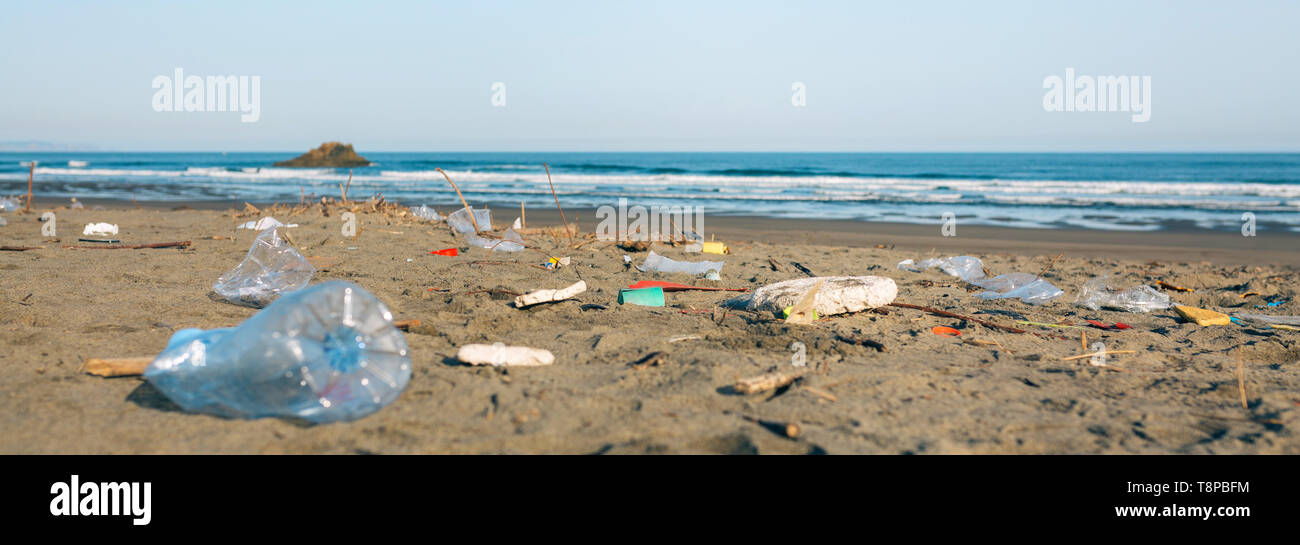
(693, 75)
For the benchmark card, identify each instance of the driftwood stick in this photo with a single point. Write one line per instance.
(181, 244)
(557, 202)
(1050, 263)
(31, 173)
(117, 367)
(1081, 356)
(472, 221)
(958, 316)
(763, 383)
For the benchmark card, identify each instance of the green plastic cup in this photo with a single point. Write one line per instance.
(649, 297)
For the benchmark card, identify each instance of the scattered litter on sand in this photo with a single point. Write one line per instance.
(1029, 288)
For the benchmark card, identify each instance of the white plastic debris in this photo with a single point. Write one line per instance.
(1269, 319)
(1029, 288)
(3, 222)
(264, 224)
(657, 263)
(837, 295)
(1026, 287)
(75, 205)
(967, 268)
(272, 267)
(499, 354)
(518, 224)
(100, 229)
(8, 204)
(426, 213)
(510, 241)
(548, 296)
(1098, 294)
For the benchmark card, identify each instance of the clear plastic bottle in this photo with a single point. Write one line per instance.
(324, 354)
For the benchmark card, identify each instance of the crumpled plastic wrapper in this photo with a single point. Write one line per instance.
(272, 267)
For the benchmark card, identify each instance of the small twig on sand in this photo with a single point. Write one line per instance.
(1050, 263)
(1241, 381)
(557, 202)
(31, 173)
(182, 244)
(462, 200)
(1098, 353)
(344, 188)
(789, 430)
(652, 359)
(763, 383)
(958, 316)
(117, 367)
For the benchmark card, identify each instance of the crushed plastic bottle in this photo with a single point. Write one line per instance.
(1097, 294)
(657, 263)
(272, 267)
(459, 220)
(1029, 288)
(324, 354)
(426, 213)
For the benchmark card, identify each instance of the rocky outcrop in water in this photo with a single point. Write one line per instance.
(329, 154)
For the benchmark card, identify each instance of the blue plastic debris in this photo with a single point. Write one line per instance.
(324, 354)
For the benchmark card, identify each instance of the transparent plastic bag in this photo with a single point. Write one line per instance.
(968, 269)
(427, 213)
(1097, 294)
(8, 204)
(1029, 288)
(324, 354)
(657, 263)
(1026, 287)
(459, 220)
(272, 267)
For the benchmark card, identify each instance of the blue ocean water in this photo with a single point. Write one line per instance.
(1114, 191)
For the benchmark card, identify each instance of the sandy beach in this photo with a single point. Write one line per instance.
(987, 391)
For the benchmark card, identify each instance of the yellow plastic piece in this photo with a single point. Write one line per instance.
(1202, 316)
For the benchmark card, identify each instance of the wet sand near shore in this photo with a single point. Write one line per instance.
(987, 391)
